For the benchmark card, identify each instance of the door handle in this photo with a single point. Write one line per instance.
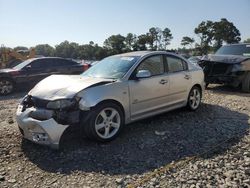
(163, 81)
(187, 76)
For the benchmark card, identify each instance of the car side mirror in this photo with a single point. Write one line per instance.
(143, 74)
(28, 67)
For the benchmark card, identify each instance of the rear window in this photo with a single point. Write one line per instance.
(243, 49)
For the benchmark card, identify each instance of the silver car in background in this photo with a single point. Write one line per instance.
(116, 91)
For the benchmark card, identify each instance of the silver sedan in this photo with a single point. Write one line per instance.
(116, 91)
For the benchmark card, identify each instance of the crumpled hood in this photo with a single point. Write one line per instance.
(63, 86)
(230, 59)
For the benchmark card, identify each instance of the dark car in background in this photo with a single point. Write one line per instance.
(33, 70)
(229, 65)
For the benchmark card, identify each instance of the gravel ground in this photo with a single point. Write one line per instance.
(140, 151)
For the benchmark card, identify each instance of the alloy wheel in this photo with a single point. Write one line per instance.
(107, 123)
(6, 87)
(195, 98)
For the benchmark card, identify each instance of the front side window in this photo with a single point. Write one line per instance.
(23, 64)
(153, 64)
(37, 64)
(176, 64)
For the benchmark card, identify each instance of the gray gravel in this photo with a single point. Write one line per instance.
(142, 148)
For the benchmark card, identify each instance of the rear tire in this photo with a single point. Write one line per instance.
(104, 122)
(246, 83)
(194, 98)
(6, 86)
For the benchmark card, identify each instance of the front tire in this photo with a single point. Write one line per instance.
(246, 83)
(6, 86)
(194, 98)
(104, 123)
(206, 86)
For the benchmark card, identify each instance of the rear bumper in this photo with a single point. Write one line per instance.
(45, 132)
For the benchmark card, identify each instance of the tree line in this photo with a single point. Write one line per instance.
(154, 39)
(210, 36)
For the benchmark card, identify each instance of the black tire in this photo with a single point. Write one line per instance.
(190, 104)
(89, 123)
(246, 83)
(206, 86)
(6, 86)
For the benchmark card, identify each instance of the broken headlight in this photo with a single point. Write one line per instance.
(61, 104)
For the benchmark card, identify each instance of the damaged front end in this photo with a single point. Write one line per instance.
(44, 121)
(221, 69)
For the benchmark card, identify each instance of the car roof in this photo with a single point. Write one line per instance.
(32, 59)
(143, 53)
(236, 44)
(136, 53)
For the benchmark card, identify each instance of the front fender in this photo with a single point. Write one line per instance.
(117, 91)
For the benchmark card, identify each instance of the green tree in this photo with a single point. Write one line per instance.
(167, 37)
(100, 52)
(67, 50)
(141, 43)
(187, 41)
(91, 51)
(130, 41)
(215, 34)
(205, 33)
(247, 40)
(115, 44)
(20, 48)
(153, 37)
(86, 51)
(158, 39)
(45, 50)
(225, 31)
(91, 43)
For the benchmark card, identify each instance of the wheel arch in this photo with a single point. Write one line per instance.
(112, 101)
(245, 84)
(11, 81)
(199, 86)
(8, 78)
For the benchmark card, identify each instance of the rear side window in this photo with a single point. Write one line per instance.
(64, 62)
(176, 64)
(154, 64)
(42, 64)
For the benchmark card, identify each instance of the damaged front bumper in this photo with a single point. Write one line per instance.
(220, 73)
(226, 69)
(39, 126)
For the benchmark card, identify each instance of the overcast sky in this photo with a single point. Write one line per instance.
(32, 22)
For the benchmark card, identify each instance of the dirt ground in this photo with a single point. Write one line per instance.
(143, 148)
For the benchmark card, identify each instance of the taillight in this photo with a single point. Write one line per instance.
(85, 67)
